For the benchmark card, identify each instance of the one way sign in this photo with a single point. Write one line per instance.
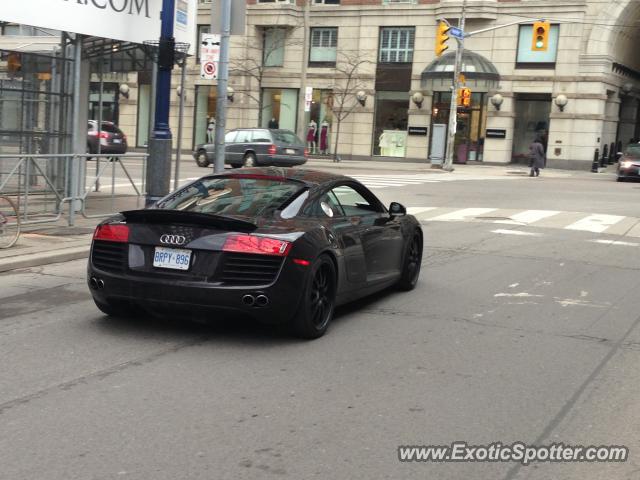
(209, 56)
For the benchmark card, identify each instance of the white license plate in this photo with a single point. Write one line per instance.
(290, 151)
(176, 258)
(117, 140)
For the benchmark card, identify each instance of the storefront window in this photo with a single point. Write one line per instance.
(109, 102)
(320, 119)
(532, 121)
(279, 108)
(204, 119)
(390, 132)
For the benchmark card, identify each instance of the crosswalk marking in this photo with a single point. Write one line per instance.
(463, 214)
(576, 221)
(384, 181)
(532, 216)
(596, 223)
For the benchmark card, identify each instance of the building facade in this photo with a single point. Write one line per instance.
(294, 67)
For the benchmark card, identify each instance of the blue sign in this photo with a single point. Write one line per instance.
(456, 33)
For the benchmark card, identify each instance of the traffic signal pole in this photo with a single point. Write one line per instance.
(453, 108)
(223, 80)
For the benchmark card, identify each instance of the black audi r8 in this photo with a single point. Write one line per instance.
(278, 244)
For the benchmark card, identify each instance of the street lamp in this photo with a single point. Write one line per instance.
(418, 98)
(496, 101)
(561, 101)
(361, 96)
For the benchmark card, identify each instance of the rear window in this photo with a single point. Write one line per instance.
(109, 127)
(633, 150)
(238, 196)
(287, 137)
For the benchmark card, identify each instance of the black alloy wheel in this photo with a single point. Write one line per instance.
(201, 158)
(412, 263)
(318, 302)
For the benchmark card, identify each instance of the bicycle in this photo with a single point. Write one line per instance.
(9, 223)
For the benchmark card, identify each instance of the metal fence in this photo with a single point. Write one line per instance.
(45, 187)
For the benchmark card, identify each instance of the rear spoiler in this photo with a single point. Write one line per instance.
(194, 218)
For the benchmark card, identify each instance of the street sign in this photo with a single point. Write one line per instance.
(209, 56)
(456, 33)
(238, 16)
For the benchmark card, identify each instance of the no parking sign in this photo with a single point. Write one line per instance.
(209, 56)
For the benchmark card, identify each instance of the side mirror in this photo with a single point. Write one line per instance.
(397, 210)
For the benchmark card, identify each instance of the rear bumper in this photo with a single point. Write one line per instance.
(630, 172)
(188, 298)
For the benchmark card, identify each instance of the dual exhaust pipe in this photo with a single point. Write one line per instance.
(96, 283)
(257, 301)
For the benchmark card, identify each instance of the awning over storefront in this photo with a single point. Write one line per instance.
(480, 74)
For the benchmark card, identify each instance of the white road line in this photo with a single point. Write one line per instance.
(463, 214)
(419, 210)
(532, 216)
(616, 242)
(516, 232)
(596, 223)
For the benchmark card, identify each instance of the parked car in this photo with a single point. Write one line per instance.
(110, 138)
(629, 163)
(281, 245)
(250, 147)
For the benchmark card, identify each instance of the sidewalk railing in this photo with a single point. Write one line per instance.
(44, 186)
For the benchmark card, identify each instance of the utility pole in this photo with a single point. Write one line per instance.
(159, 168)
(303, 71)
(223, 80)
(453, 109)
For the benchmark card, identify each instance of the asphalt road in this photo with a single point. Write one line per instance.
(529, 336)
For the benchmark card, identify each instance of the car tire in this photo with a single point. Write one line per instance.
(619, 179)
(411, 264)
(249, 160)
(201, 159)
(318, 300)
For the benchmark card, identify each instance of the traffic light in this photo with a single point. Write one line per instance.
(540, 40)
(464, 97)
(441, 38)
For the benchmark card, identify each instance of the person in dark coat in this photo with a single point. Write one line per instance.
(537, 157)
(273, 123)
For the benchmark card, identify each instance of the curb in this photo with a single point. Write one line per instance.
(38, 259)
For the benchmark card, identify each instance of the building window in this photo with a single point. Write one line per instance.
(326, 2)
(396, 44)
(324, 46)
(201, 29)
(527, 58)
(273, 50)
(279, 105)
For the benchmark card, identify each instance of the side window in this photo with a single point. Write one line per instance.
(260, 136)
(352, 202)
(244, 136)
(230, 136)
(325, 206)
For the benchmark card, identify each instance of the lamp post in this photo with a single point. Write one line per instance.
(159, 168)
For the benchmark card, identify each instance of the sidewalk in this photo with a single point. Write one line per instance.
(56, 242)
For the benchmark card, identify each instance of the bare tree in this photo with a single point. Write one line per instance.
(350, 79)
(257, 57)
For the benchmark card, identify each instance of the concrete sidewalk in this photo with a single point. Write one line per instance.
(56, 242)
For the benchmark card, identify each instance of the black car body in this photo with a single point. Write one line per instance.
(280, 245)
(250, 147)
(110, 138)
(629, 163)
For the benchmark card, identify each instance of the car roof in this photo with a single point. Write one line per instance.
(306, 176)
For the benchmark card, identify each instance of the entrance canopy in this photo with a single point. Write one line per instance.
(480, 74)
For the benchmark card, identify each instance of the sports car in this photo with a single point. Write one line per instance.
(280, 245)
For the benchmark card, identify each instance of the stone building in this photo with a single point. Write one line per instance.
(590, 64)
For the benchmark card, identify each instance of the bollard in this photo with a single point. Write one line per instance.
(612, 154)
(603, 159)
(596, 158)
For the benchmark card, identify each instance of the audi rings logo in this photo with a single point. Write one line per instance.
(173, 239)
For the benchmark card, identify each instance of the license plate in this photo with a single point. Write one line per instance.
(117, 140)
(175, 258)
(290, 151)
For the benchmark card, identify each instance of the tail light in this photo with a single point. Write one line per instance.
(306, 152)
(271, 150)
(112, 233)
(103, 135)
(254, 244)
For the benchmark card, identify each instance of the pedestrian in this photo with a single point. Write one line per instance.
(537, 157)
(273, 123)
